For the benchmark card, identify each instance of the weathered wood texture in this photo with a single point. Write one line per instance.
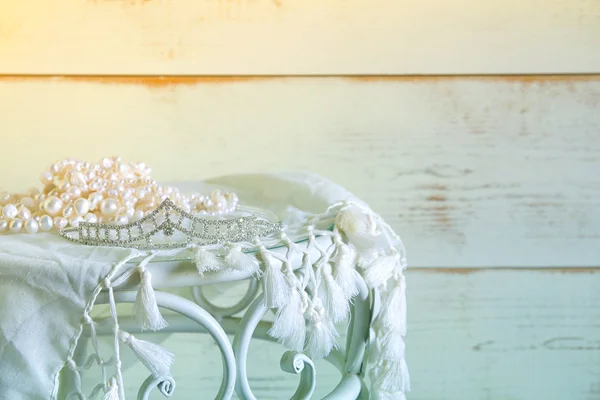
(473, 335)
(304, 37)
(471, 172)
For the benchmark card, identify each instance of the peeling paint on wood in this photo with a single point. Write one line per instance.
(299, 37)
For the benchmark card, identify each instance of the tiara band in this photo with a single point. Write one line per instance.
(176, 227)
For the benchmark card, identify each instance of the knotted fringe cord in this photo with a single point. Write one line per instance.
(275, 287)
(205, 259)
(145, 308)
(289, 327)
(240, 261)
(384, 271)
(337, 305)
(344, 264)
(322, 334)
(97, 357)
(156, 358)
(113, 390)
(86, 319)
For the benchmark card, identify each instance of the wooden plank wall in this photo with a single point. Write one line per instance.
(472, 126)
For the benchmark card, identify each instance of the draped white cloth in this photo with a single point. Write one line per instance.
(46, 282)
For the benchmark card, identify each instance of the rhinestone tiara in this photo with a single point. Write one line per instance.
(170, 227)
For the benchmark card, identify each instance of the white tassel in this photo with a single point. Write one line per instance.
(374, 348)
(393, 316)
(145, 307)
(382, 269)
(113, 390)
(393, 377)
(206, 261)
(156, 358)
(290, 326)
(275, 287)
(392, 347)
(241, 261)
(337, 305)
(344, 271)
(322, 336)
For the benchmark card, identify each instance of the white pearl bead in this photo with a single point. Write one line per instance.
(4, 198)
(24, 213)
(82, 206)
(74, 222)
(65, 197)
(3, 225)
(68, 211)
(106, 163)
(95, 199)
(15, 225)
(60, 222)
(33, 191)
(74, 191)
(31, 226)
(110, 207)
(139, 214)
(28, 202)
(9, 211)
(78, 179)
(122, 220)
(91, 218)
(46, 223)
(64, 186)
(47, 178)
(53, 205)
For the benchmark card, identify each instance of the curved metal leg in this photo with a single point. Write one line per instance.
(221, 312)
(350, 363)
(351, 385)
(194, 312)
(291, 361)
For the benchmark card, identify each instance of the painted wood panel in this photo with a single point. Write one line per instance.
(471, 172)
(473, 335)
(299, 37)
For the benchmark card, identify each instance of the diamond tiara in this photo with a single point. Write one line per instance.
(175, 228)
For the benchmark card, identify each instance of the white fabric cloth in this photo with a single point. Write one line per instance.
(46, 282)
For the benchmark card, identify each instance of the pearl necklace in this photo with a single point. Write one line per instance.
(111, 192)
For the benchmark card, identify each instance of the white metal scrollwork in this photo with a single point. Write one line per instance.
(241, 344)
(298, 363)
(195, 313)
(220, 312)
(197, 319)
(166, 386)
